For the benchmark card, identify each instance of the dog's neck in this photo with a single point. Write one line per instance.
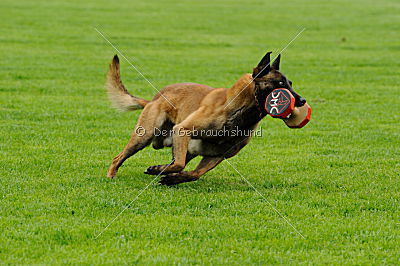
(244, 95)
(239, 93)
(260, 97)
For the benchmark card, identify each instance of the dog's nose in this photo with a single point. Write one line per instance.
(301, 102)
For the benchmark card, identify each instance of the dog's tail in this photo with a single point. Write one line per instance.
(120, 97)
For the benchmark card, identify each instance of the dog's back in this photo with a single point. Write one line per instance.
(185, 97)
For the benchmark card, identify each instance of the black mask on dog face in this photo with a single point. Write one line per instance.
(267, 77)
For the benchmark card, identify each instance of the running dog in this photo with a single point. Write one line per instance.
(184, 109)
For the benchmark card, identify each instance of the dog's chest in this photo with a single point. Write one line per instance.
(244, 118)
(205, 147)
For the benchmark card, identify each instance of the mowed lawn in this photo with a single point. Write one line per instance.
(336, 180)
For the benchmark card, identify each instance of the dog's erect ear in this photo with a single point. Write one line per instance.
(265, 60)
(275, 64)
(263, 67)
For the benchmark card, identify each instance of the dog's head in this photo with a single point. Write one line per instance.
(267, 77)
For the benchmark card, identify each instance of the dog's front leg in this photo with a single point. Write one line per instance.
(205, 165)
(202, 118)
(181, 138)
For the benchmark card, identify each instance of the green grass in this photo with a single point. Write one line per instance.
(336, 180)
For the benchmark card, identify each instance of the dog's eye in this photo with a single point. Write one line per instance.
(281, 83)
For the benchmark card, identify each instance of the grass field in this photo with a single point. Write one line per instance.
(336, 180)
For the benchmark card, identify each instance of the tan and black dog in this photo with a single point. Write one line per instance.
(184, 109)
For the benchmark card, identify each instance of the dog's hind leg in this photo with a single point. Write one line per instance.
(189, 157)
(142, 136)
(205, 165)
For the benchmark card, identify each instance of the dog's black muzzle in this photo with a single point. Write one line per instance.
(299, 101)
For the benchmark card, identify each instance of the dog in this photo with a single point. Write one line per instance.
(184, 109)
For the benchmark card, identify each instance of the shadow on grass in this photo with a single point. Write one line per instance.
(210, 183)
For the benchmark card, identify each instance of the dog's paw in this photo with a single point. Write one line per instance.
(176, 178)
(169, 180)
(154, 170)
(111, 173)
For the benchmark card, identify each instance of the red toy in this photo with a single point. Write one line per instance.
(280, 104)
